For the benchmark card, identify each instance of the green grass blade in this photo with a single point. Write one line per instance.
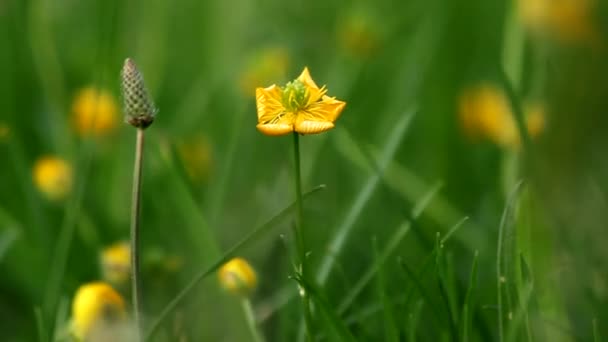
(412, 321)
(381, 259)
(596, 331)
(411, 187)
(442, 284)
(390, 326)
(467, 308)
(395, 240)
(43, 335)
(504, 260)
(246, 241)
(416, 281)
(10, 232)
(332, 318)
(348, 222)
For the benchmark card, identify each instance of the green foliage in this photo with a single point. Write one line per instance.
(424, 231)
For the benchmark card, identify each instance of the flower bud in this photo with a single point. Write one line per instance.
(138, 106)
(96, 307)
(116, 263)
(238, 277)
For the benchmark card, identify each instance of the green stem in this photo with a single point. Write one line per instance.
(135, 221)
(249, 315)
(298, 232)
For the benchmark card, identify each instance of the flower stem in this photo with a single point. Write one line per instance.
(299, 232)
(249, 315)
(135, 209)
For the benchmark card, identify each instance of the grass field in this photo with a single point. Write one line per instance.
(461, 196)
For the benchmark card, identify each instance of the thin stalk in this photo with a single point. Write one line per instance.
(298, 232)
(135, 221)
(251, 324)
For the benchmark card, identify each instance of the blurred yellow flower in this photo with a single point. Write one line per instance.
(566, 20)
(116, 262)
(197, 157)
(300, 106)
(5, 131)
(94, 112)
(535, 119)
(485, 113)
(96, 306)
(53, 177)
(357, 35)
(264, 66)
(238, 277)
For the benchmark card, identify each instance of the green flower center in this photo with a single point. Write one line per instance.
(295, 96)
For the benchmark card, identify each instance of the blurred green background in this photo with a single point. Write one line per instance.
(438, 93)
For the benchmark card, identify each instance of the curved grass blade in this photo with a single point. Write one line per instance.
(342, 232)
(246, 241)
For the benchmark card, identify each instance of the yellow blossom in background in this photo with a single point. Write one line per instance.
(5, 131)
(116, 263)
(96, 307)
(300, 106)
(357, 35)
(238, 277)
(535, 119)
(264, 66)
(485, 113)
(53, 177)
(197, 158)
(94, 112)
(565, 20)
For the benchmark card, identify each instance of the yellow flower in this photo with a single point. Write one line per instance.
(94, 112)
(53, 177)
(301, 106)
(5, 131)
(197, 157)
(535, 119)
(264, 66)
(485, 113)
(566, 20)
(237, 277)
(96, 306)
(358, 35)
(116, 262)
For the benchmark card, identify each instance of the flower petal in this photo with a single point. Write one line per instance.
(328, 109)
(275, 129)
(313, 127)
(268, 102)
(306, 79)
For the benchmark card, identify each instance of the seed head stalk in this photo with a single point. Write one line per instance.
(299, 236)
(139, 113)
(135, 223)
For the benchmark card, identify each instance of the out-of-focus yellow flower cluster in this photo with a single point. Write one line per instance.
(5, 131)
(565, 20)
(265, 66)
(197, 156)
(116, 263)
(238, 277)
(94, 113)
(357, 35)
(53, 177)
(98, 311)
(485, 113)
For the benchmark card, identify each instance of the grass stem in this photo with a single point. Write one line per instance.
(135, 222)
(299, 232)
(251, 323)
